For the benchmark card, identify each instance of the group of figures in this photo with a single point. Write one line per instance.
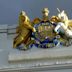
(43, 33)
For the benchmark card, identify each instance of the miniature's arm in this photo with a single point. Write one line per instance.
(27, 24)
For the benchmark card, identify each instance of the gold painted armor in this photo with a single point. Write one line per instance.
(24, 30)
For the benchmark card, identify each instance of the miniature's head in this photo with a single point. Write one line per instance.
(45, 11)
(23, 17)
(63, 16)
(22, 13)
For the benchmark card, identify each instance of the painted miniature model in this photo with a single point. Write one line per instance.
(24, 31)
(43, 33)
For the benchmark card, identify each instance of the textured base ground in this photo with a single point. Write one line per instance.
(13, 59)
(41, 54)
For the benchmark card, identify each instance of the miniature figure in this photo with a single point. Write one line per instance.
(64, 23)
(64, 27)
(24, 30)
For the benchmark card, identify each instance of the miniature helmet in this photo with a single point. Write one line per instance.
(45, 10)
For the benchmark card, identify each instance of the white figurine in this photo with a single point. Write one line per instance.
(63, 25)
